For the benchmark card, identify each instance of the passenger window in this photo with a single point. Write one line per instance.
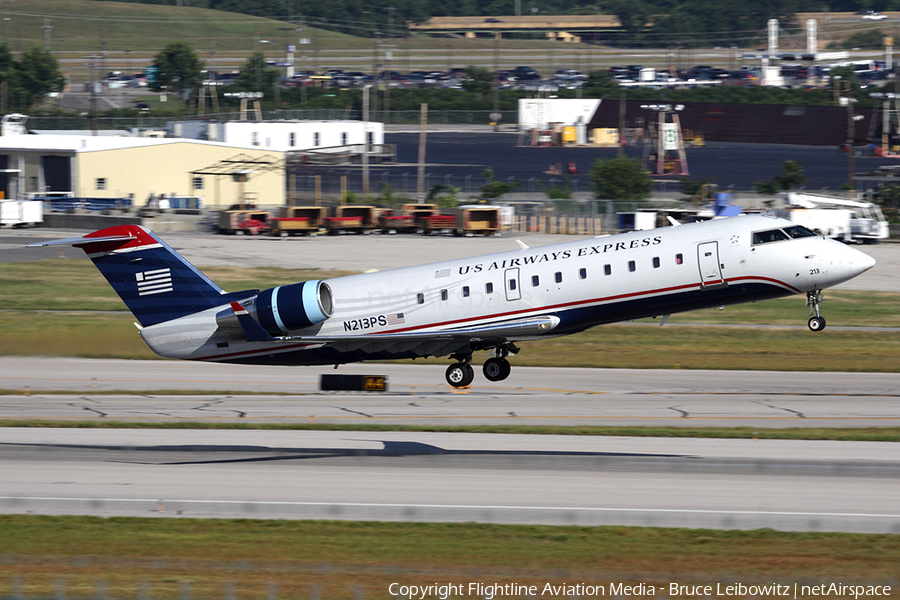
(766, 237)
(582, 273)
(444, 295)
(558, 277)
(535, 281)
(465, 291)
(679, 259)
(607, 269)
(631, 266)
(489, 288)
(512, 284)
(420, 298)
(655, 262)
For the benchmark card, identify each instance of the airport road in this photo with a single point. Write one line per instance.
(120, 390)
(449, 477)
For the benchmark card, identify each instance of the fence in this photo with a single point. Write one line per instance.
(435, 117)
(387, 180)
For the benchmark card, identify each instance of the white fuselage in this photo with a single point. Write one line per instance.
(584, 283)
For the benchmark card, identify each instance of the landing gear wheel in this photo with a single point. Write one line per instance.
(813, 299)
(496, 369)
(460, 374)
(816, 323)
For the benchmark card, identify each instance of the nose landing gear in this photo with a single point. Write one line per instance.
(816, 322)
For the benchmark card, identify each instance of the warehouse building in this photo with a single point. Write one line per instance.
(248, 166)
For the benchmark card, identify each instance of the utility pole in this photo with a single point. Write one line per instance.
(496, 116)
(365, 152)
(48, 29)
(420, 186)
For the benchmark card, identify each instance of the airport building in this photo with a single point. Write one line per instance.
(243, 160)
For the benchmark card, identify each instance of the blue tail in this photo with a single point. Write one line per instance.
(155, 282)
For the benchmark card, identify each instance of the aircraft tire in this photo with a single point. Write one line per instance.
(496, 369)
(816, 324)
(460, 374)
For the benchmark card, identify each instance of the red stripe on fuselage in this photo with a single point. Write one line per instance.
(541, 309)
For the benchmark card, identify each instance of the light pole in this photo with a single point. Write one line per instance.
(260, 64)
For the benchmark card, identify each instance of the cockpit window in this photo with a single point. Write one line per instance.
(771, 235)
(798, 231)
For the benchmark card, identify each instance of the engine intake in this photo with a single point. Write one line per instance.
(289, 307)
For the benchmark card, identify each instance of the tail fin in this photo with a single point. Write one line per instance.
(155, 282)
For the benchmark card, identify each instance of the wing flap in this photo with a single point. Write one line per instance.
(433, 341)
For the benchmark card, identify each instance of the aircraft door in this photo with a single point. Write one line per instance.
(710, 268)
(511, 284)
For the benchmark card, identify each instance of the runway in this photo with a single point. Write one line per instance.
(557, 480)
(455, 477)
(157, 391)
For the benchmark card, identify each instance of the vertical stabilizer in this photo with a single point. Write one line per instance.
(155, 282)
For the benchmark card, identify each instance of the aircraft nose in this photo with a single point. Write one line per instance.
(861, 263)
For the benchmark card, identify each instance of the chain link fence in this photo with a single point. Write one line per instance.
(142, 120)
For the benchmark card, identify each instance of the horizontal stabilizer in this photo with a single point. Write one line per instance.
(80, 241)
(252, 329)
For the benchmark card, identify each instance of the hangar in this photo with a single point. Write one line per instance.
(126, 167)
(141, 168)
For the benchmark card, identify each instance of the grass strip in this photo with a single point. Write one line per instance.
(859, 434)
(338, 560)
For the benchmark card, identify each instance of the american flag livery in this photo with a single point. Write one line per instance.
(157, 281)
(395, 319)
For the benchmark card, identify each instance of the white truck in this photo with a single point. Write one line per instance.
(851, 221)
(20, 213)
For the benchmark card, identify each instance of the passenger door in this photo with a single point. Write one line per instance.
(710, 268)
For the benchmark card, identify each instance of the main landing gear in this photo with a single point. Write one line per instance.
(460, 374)
(496, 368)
(816, 322)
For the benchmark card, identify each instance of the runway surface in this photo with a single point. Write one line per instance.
(155, 391)
(557, 480)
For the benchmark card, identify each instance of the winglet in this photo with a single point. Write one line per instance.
(673, 221)
(522, 244)
(252, 329)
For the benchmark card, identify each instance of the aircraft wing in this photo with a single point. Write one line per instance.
(398, 342)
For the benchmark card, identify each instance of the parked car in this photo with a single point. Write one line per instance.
(523, 73)
(569, 75)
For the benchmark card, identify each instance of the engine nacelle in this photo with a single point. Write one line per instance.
(289, 307)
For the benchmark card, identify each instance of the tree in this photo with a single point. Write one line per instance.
(7, 76)
(602, 85)
(36, 75)
(620, 179)
(478, 80)
(256, 76)
(178, 68)
(445, 196)
(792, 176)
(632, 14)
(493, 188)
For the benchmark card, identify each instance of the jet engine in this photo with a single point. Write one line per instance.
(289, 307)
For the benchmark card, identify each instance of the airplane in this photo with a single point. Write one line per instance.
(457, 307)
